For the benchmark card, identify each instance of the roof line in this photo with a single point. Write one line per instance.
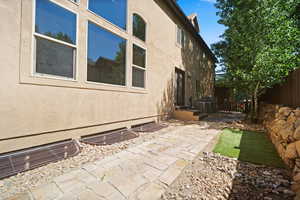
(178, 11)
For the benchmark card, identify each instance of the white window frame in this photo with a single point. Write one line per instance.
(146, 27)
(138, 67)
(182, 36)
(75, 47)
(109, 22)
(87, 43)
(77, 2)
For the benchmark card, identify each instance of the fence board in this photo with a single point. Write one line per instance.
(287, 93)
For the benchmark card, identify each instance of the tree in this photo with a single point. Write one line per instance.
(261, 43)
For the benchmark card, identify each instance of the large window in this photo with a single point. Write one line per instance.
(114, 11)
(139, 65)
(106, 56)
(55, 40)
(139, 27)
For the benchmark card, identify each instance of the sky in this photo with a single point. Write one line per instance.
(210, 30)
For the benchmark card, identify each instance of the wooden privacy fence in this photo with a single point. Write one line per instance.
(287, 93)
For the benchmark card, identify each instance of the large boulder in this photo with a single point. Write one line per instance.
(292, 118)
(297, 145)
(285, 111)
(297, 123)
(297, 133)
(286, 131)
(297, 113)
(276, 125)
(291, 151)
(297, 177)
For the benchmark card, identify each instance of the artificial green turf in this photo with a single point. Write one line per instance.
(248, 146)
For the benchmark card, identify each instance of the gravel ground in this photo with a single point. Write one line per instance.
(36, 177)
(215, 177)
(209, 177)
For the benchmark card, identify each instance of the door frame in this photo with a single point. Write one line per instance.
(180, 71)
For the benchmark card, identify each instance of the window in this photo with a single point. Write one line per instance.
(55, 40)
(106, 56)
(114, 11)
(139, 27)
(180, 36)
(139, 65)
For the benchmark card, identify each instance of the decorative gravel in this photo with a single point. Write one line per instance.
(30, 179)
(215, 177)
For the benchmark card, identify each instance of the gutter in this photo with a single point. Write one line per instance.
(178, 12)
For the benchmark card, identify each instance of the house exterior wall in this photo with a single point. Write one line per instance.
(36, 110)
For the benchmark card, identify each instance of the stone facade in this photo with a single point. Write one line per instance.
(283, 127)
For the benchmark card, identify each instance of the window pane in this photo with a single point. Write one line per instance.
(139, 27)
(106, 56)
(54, 58)
(55, 21)
(182, 37)
(138, 77)
(114, 11)
(178, 35)
(139, 56)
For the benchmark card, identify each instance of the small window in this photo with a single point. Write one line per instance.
(114, 11)
(180, 39)
(139, 65)
(55, 40)
(106, 56)
(179, 35)
(139, 27)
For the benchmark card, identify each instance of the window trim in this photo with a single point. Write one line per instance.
(182, 34)
(142, 68)
(109, 22)
(34, 73)
(146, 28)
(86, 59)
(77, 3)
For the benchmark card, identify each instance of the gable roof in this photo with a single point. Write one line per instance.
(194, 20)
(189, 26)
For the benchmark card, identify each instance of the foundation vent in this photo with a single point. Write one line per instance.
(148, 127)
(109, 137)
(23, 160)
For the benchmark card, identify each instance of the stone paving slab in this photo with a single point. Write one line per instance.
(138, 173)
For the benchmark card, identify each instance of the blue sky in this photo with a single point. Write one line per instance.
(210, 30)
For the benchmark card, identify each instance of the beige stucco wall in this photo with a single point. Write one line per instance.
(56, 109)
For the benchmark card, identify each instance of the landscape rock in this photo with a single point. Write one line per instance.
(285, 111)
(284, 131)
(297, 145)
(291, 119)
(291, 152)
(296, 178)
(297, 133)
(217, 177)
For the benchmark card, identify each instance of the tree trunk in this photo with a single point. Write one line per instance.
(255, 99)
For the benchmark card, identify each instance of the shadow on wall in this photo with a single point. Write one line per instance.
(199, 69)
(166, 106)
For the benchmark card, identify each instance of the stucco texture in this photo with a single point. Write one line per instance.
(36, 110)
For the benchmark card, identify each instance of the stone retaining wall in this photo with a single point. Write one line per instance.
(283, 127)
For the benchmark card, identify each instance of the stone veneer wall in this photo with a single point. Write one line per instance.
(283, 127)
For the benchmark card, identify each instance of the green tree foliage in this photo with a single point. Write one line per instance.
(261, 43)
